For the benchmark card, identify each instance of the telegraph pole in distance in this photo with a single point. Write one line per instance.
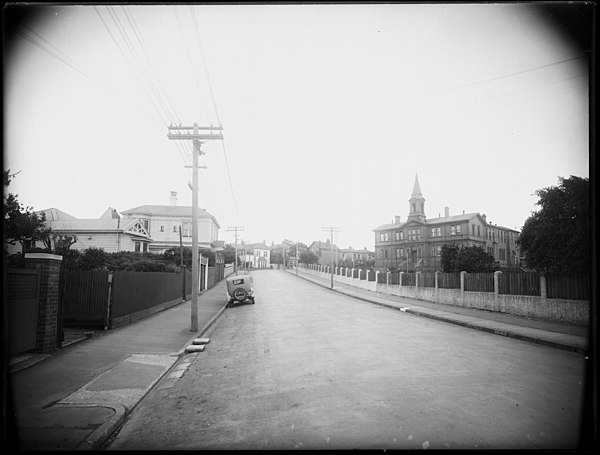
(331, 229)
(235, 229)
(187, 133)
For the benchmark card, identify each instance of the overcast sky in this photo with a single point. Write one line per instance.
(328, 111)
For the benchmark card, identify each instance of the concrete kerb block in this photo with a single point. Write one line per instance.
(201, 341)
(102, 433)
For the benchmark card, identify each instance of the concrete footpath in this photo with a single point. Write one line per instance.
(556, 335)
(75, 398)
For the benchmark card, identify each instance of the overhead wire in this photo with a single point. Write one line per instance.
(197, 30)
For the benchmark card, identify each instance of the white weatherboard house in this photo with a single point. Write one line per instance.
(164, 221)
(110, 232)
(147, 228)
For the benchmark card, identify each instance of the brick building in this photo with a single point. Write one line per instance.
(416, 244)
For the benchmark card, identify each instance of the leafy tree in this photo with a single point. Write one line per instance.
(556, 239)
(308, 257)
(449, 257)
(472, 259)
(21, 224)
(229, 254)
(93, 259)
(276, 257)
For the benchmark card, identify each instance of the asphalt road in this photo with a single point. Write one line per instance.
(307, 368)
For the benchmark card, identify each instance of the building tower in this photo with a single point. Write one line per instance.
(416, 203)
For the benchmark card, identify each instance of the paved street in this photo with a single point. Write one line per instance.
(307, 368)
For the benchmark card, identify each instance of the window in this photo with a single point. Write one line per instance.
(162, 229)
(452, 230)
(401, 235)
(436, 232)
(398, 255)
(473, 229)
(385, 253)
(145, 247)
(397, 235)
(414, 234)
(478, 231)
(381, 237)
(175, 228)
(137, 247)
(436, 250)
(186, 229)
(387, 236)
(146, 224)
(458, 228)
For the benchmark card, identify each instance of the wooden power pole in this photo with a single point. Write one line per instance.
(192, 133)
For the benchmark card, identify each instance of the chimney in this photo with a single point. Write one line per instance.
(447, 212)
(397, 219)
(484, 216)
(173, 198)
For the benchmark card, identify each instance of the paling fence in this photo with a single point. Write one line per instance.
(519, 283)
(479, 282)
(568, 287)
(450, 280)
(509, 283)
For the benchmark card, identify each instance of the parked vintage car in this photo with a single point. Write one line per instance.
(240, 289)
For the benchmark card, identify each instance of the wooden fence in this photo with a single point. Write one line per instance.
(479, 282)
(519, 283)
(568, 287)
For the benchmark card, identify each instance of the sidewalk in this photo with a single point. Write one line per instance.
(75, 398)
(557, 335)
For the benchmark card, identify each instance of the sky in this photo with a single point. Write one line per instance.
(328, 111)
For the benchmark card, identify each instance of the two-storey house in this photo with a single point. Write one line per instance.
(164, 223)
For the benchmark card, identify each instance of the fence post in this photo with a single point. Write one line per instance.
(496, 287)
(400, 278)
(109, 284)
(436, 287)
(376, 278)
(543, 289)
(367, 275)
(359, 272)
(417, 276)
(387, 277)
(462, 286)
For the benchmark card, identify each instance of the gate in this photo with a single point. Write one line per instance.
(85, 298)
(22, 294)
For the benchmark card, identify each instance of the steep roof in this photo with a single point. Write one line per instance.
(53, 214)
(429, 221)
(178, 211)
(416, 189)
(258, 246)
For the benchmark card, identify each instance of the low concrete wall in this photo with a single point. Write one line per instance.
(576, 312)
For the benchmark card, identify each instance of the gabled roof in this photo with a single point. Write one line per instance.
(257, 246)
(453, 218)
(99, 225)
(178, 211)
(53, 214)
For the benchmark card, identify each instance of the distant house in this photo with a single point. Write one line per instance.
(352, 257)
(256, 255)
(163, 223)
(323, 250)
(110, 232)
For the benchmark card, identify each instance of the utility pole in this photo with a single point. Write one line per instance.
(235, 229)
(192, 133)
(332, 229)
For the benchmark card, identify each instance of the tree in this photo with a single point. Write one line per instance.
(471, 259)
(556, 239)
(21, 224)
(229, 254)
(308, 257)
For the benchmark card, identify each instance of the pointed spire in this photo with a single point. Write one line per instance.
(416, 188)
